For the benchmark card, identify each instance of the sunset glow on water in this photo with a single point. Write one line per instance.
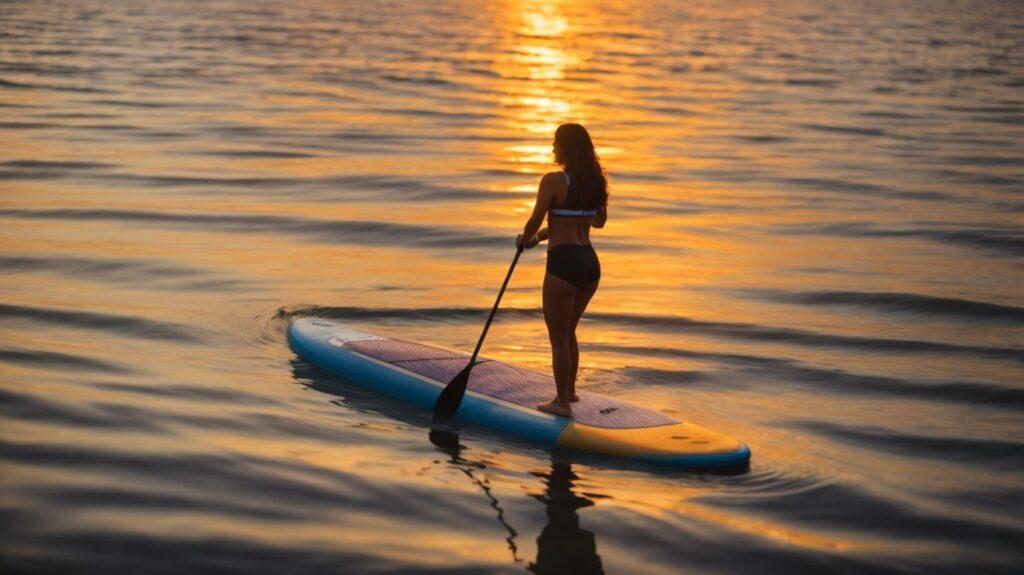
(814, 245)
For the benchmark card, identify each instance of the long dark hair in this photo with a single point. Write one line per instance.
(581, 162)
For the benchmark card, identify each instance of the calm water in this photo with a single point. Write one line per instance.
(815, 244)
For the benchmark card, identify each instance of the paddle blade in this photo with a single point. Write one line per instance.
(451, 396)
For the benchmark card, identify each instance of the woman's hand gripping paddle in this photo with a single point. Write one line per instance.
(451, 396)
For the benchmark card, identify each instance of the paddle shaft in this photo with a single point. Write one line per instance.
(501, 292)
(451, 396)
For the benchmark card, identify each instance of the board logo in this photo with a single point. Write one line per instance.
(608, 410)
(337, 341)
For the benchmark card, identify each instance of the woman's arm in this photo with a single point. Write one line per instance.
(540, 209)
(600, 218)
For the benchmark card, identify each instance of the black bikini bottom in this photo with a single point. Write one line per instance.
(574, 263)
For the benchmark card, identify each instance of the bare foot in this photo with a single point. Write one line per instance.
(574, 398)
(556, 408)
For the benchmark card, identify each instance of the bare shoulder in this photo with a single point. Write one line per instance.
(553, 180)
(552, 185)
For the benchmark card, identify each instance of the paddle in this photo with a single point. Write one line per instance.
(451, 396)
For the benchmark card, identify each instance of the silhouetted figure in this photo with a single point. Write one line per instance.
(573, 200)
(563, 548)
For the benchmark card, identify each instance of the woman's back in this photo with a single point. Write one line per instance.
(569, 219)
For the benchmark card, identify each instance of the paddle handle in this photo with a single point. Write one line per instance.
(501, 292)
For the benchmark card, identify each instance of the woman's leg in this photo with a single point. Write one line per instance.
(559, 296)
(583, 296)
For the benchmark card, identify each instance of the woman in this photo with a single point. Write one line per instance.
(573, 200)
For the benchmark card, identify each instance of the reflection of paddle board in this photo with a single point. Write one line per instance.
(502, 397)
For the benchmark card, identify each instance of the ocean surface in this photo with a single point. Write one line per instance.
(815, 244)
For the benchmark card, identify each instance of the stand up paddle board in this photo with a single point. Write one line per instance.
(504, 397)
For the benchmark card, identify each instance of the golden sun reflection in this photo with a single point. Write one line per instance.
(531, 154)
(546, 22)
(543, 62)
(538, 93)
(546, 104)
(539, 115)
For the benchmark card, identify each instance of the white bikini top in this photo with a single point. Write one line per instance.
(571, 212)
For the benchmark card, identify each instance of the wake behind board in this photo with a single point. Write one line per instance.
(503, 397)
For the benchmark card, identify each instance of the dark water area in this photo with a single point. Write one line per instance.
(814, 245)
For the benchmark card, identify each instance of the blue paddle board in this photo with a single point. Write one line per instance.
(503, 397)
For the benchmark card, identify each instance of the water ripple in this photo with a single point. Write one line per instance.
(331, 231)
(992, 453)
(60, 361)
(747, 371)
(833, 505)
(1004, 241)
(149, 274)
(906, 303)
(118, 325)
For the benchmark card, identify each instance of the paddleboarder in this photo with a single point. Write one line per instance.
(573, 201)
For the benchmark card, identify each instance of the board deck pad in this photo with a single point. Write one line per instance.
(509, 383)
